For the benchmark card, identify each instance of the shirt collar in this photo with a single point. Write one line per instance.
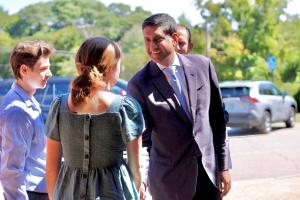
(29, 101)
(175, 63)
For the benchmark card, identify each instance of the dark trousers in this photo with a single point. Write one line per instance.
(37, 196)
(206, 190)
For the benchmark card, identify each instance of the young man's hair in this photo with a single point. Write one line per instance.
(163, 20)
(180, 26)
(28, 53)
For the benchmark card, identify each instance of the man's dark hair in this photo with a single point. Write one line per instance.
(188, 30)
(161, 19)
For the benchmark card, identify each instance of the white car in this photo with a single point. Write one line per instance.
(257, 104)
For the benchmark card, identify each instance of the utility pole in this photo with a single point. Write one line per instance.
(205, 13)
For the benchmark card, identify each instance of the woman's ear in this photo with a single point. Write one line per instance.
(78, 65)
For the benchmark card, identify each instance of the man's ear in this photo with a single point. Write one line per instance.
(191, 45)
(175, 38)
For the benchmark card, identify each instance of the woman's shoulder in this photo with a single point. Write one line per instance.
(124, 103)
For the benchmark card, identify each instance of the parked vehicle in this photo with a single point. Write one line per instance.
(55, 86)
(257, 104)
(5, 85)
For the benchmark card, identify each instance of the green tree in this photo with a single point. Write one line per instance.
(134, 54)
(246, 33)
(66, 23)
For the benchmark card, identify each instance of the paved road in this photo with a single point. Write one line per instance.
(265, 166)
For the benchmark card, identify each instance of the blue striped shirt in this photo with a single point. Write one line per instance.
(22, 145)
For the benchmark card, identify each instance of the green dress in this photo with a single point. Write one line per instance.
(93, 146)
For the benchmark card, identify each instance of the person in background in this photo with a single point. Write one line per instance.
(22, 133)
(91, 127)
(185, 130)
(185, 46)
(185, 43)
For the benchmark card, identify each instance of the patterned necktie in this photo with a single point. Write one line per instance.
(175, 84)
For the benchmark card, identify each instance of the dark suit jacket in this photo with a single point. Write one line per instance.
(173, 140)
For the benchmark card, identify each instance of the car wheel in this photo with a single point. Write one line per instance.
(292, 118)
(266, 125)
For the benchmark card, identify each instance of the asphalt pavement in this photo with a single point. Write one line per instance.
(266, 166)
(282, 188)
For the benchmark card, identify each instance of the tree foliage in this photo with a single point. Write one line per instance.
(242, 33)
(66, 23)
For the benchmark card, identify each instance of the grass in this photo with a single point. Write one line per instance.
(298, 117)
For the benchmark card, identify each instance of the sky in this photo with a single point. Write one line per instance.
(173, 7)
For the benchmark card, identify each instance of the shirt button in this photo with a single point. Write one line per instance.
(87, 117)
(86, 156)
(86, 137)
(84, 176)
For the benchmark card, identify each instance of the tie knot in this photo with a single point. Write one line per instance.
(170, 71)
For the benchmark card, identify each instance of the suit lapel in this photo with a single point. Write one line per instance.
(191, 79)
(162, 85)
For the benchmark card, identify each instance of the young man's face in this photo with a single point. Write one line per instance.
(183, 46)
(159, 46)
(38, 76)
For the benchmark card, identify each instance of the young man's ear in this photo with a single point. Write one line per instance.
(23, 69)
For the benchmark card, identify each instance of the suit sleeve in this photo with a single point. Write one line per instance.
(218, 122)
(134, 91)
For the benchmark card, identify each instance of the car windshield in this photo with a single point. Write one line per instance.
(235, 91)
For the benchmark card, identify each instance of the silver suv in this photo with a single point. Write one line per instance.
(256, 104)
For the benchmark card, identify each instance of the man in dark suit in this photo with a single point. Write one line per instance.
(185, 127)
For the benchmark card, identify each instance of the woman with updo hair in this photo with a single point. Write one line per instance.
(90, 128)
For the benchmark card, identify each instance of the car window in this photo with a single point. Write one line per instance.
(235, 91)
(276, 91)
(268, 89)
(264, 89)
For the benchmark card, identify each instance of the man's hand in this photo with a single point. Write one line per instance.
(143, 190)
(225, 182)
